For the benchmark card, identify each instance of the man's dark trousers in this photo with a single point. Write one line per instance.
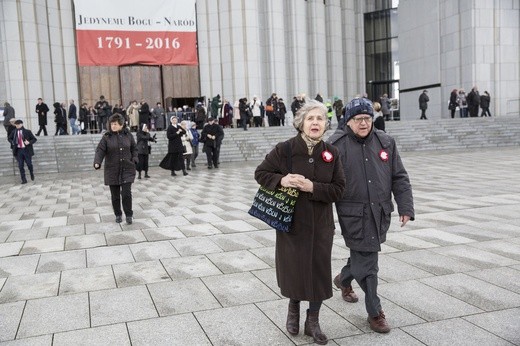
(22, 155)
(363, 267)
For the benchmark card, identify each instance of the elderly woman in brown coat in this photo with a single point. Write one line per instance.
(303, 255)
(119, 150)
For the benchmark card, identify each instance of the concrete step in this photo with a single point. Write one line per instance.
(76, 153)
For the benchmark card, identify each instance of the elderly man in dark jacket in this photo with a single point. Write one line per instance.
(374, 171)
(119, 150)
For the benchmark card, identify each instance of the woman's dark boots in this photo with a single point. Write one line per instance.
(139, 176)
(312, 328)
(145, 174)
(184, 172)
(293, 318)
(188, 161)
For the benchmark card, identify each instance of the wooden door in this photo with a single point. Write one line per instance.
(141, 83)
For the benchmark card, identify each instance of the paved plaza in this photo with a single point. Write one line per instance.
(195, 269)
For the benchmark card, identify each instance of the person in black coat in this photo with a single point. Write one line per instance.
(212, 135)
(374, 172)
(144, 114)
(143, 149)
(485, 100)
(22, 141)
(174, 160)
(453, 102)
(60, 119)
(119, 150)
(41, 110)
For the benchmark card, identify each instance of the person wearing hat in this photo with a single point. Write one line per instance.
(22, 141)
(210, 136)
(374, 171)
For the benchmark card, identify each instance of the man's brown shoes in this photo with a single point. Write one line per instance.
(347, 293)
(378, 323)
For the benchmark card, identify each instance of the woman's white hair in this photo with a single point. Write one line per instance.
(309, 105)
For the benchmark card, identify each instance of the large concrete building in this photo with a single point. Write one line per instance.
(256, 47)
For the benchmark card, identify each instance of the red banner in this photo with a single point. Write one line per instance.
(116, 48)
(128, 32)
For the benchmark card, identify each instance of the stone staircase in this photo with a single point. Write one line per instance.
(76, 153)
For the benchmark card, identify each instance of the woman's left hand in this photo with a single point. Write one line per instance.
(305, 185)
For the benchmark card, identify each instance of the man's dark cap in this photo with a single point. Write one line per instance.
(17, 122)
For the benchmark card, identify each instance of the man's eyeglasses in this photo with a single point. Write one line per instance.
(359, 120)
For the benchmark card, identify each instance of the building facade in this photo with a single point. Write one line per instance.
(338, 48)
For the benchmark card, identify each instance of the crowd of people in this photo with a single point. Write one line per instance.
(469, 103)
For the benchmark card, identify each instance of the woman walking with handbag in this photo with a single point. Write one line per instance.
(303, 255)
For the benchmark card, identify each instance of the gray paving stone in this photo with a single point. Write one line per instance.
(44, 340)
(502, 323)
(170, 221)
(153, 251)
(195, 246)
(236, 226)
(182, 296)
(20, 265)
(109, 255)
(4, 235)
(16, 225)
(43, 245)
(50, 222)
(198, 230)
(54, 314)
(103, 227)
(28, 234)
(25, 287)
(423, 301)
(189, 267)
(476, 292)
(432, 262)
(164, 233)
(233, 242)
(179, 330)
(10, 249)
(454, 332)
(221, 327)
(121, 305)
(87, 280)
(85, 241)
(237, 261)
(268, 278)
(391, 270)
(476, 257)
(133, 274)
(404, 242)
(203, 218)
(138, 224)
(439, 237)
(115, 334)
(66, 231)
(266, 238)
(10, 315)
(125, 237)
(83, 219)
(239, 288)
(395, 338)
(501, 247)
(266, 254)
(503, 277)
(59, 261)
